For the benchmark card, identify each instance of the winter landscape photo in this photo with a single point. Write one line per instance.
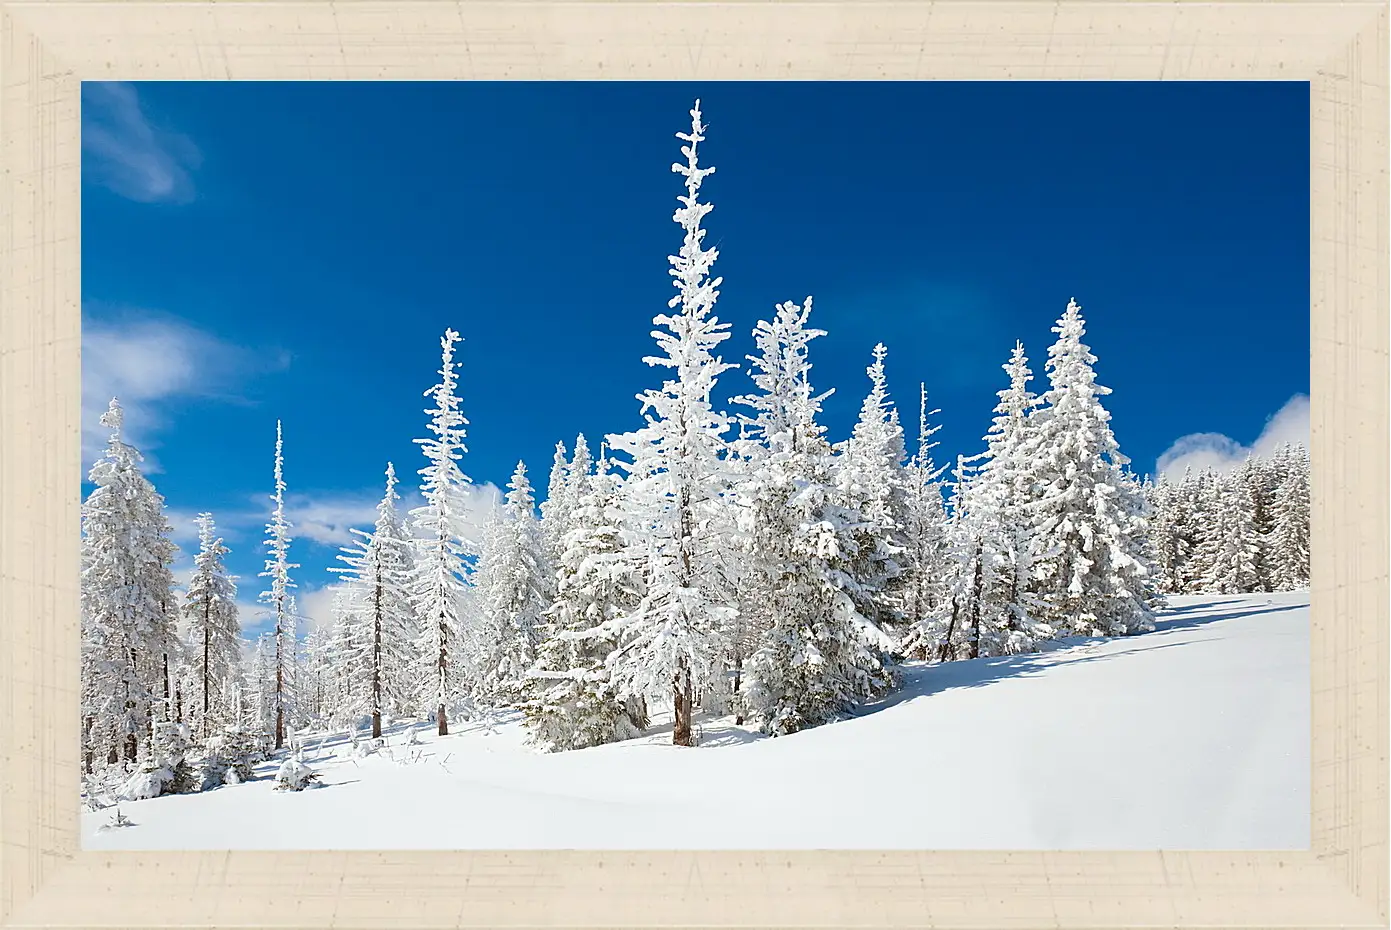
(671, 466)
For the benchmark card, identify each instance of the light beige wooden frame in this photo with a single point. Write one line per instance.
(47, 48)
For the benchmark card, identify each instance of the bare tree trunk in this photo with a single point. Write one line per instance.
(377, 665)
(945, 652)
(207, 644)
(682, 700)
(975, 608)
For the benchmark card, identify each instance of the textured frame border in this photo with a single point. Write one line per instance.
(47, 48)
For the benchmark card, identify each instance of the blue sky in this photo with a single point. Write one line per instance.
(294, 250)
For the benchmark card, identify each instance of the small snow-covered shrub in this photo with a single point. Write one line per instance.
(229, 757)
(149, 782)
(172, 750)
(294, 775)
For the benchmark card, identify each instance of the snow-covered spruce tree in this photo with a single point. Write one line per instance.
(1173, 531)
(260, 709)
(818, 656)
(1000, 501)
(922, 588)
(440, 572)
(1289, 536)
(378, 613)
(279, 600)
(569, 699)
(317, 697)
(1259, 476)
(1202, 491)
(1088, 570)
(670, 641)
(872, 483)
(127, 603)
(555, 509)
(1230, 550)
(562, 496)
(214, 637)
(514, 587)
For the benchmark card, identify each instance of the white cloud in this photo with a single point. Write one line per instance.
(1221, 453)
(142, 359)
(127, 153)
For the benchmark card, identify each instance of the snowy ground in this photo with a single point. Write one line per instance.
(1195, 736)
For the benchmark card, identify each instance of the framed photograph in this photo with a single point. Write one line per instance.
(709, 463)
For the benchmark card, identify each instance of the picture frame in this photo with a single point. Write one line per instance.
(47, 48)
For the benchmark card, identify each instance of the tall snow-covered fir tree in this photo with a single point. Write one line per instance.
(1001, 499)
(922, 590)
(514, 587)
(279, 601)
(818, 656)
(127, 604)
(1230, 551)
(214, 637)
(377, 574)
(1088, 572)
(1289, 535)
(569, 698)
(671, 641)
(872, 483)
(440, 572)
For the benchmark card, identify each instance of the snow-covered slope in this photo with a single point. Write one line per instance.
(1194, 736)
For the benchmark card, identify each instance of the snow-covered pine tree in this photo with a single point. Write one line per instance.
(127, 604)
(317, 697)
(922, 589)
(675, 487)
(1202, 491)
(378, 611)
(871, 483)
(1173, 532)
(569, 699)
(1258, 474)
(440, 572)
(555, 509)
(1289, 536)
(261, 708)
(1230, 550)
(214, 637)
(514, 587)
(1000, 502)
(279, 600)
(1087, 570)
(818, 656)
(562, 496)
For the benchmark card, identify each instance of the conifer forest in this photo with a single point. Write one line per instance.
(698, 571)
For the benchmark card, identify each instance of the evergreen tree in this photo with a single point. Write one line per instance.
(569, 698)
(279, 600)
(1089, 575)
(127, 606)
(378, 612)
(1231, 551)
(214, 636)
(922, 589)
(819, 656)
(675, 487)
(440, 572)
(871, 483)
(1002, 500)
(1289, 537)
(514, 588)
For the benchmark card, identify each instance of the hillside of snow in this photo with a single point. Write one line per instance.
(1195, 736)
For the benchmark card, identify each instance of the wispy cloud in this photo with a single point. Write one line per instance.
(1200, 451)
(126, 152)
(143, 359)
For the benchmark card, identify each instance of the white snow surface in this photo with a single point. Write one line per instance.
(1195, 736)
